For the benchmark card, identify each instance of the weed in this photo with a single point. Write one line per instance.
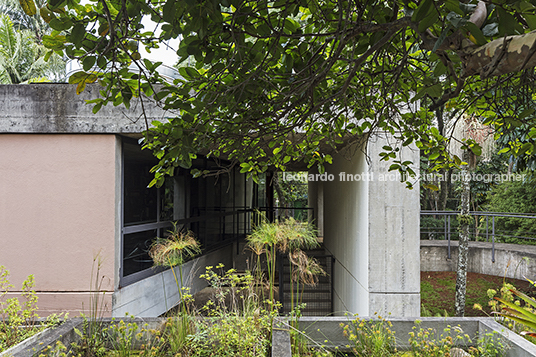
(93, 335)
(18, 322)
(370, 338)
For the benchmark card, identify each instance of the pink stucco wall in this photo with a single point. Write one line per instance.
(57, 212)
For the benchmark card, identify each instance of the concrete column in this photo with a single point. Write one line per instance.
(394, 216)
(371, 223)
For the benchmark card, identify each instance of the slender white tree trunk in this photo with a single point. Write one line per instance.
(463, 247)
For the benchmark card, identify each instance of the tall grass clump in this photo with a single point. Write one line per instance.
(173, 251)
(285, 237)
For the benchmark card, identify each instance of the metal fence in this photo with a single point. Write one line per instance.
(487, 226)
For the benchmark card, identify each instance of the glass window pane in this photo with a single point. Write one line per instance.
(135, 251)
(140, 202)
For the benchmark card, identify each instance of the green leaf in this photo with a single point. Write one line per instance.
(46, 14)
(28, 6)
(82, 78)
(476, 149)
(477, 33)
(433, 156)
(431, 187)
(54, 4)
(60, 24)
(169, 10)
(189, 72)
(77, 34)
(97, 107)
(491, 30)
(531, 21)
(506, 22)
(454, 5)
(456, 20)
(440, 69)
(88, 63)
(435, 91)
(526, 147)
(429, 20)
(421, 11)
(48, 54)
(525, 113)
(54, 42)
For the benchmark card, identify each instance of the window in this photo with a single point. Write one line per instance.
(217, 209)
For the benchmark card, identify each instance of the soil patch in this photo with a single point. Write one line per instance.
(438, 291)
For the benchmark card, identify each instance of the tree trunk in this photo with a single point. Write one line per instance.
(463, 246)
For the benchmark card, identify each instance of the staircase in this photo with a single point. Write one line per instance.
(318, 298)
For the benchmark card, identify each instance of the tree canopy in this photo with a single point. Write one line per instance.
(270, 83)
(21, 51)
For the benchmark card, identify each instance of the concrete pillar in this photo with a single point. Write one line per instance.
(371, 223)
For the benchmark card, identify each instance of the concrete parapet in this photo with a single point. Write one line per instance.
(56, 108)
(156, 294)
(511, 260)
(320, 331)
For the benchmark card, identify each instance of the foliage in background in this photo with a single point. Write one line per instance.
(22, 53)
(480, 189)
(514, 197)
(290, 193)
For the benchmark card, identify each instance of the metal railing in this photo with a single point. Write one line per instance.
(484, 228)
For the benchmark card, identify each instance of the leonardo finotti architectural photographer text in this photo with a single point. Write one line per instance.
(396, 176)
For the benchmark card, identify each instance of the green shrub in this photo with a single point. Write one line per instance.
(19, 321)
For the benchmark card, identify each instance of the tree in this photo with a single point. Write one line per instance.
(18, 57)
(22, 56)
(266, 83)
(23, 21)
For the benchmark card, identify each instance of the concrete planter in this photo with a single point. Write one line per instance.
(322, 329)
(66, 334)
(318, 329)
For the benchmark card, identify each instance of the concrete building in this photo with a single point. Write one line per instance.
(74, 187)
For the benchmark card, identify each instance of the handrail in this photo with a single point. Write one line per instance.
(494, 233)
(480, 213)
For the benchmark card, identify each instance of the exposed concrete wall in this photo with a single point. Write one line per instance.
(371, 226)
(393, 218)
(156, 294)
(511, 260)
(56, 108)
(57, 212)
(346, 234)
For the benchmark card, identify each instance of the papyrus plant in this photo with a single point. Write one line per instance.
(173, 251)
(286, 236)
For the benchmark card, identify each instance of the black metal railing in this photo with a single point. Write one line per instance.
(318, 299)
(486, 227)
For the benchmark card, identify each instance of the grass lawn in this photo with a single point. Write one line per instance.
(438, 289)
